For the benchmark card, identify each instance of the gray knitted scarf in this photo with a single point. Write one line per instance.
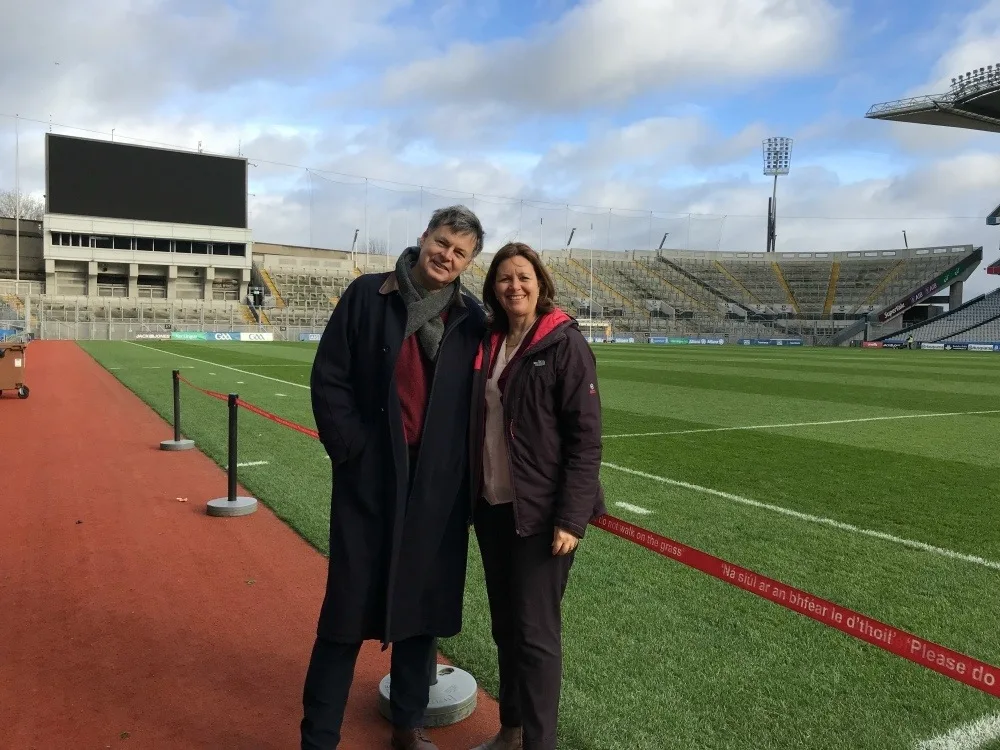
(423, 308)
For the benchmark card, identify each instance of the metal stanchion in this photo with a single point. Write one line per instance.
(452, 695)
(177, 444)
(231, 505)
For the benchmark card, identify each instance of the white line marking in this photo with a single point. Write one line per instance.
(806, 424)
(282, 395)
(922, 546)
(970, 736)
(251, 463)
(216, 364)
(634, 508)
(147, 367)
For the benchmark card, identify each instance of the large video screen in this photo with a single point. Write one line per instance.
(110, 180)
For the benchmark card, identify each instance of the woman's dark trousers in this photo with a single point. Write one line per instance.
(525, 584)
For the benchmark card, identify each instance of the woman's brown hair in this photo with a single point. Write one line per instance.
(546, 289)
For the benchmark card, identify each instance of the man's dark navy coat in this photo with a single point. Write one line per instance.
(397, 562)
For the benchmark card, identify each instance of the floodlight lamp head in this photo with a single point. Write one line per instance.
(777, 156)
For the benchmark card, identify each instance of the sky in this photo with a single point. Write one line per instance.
(623, 119)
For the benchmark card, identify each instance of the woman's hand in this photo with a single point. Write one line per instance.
(563, 542)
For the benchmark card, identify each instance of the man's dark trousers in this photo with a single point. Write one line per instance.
(328, 681)
(331, 671)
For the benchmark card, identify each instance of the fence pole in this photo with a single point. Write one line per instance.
(231, 505)
(177, 444)
(233, 432)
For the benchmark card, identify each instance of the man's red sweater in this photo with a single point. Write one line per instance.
(414, 371)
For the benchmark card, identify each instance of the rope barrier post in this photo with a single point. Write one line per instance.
(231, 505)
(177, 444)
(452, 695)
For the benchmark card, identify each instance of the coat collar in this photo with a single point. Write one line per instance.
(390, 285)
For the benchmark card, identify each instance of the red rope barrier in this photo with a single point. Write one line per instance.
(278, 420)
(255, 409)
(957, 666)
(213, 394)
(950, 663)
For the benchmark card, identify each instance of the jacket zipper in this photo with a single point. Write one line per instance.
(509, 441)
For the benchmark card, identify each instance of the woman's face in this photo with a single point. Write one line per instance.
(516, 287)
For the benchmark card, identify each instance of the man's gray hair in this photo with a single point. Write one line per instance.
(460, 220)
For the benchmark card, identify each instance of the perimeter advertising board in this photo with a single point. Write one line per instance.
(770, 342)
(221, 336)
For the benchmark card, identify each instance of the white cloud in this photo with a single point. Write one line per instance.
(978, 45)
(611, 51)
(115, 58)
(818, 208)
(679, 173)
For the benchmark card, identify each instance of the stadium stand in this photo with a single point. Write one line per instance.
(976, 321)
(302, 285)
(83, 309)
(100, 269)
(813, 295)
(988, 332)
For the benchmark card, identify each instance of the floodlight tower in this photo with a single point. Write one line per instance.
(777, 161)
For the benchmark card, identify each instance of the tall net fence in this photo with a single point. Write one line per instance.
(309, 206)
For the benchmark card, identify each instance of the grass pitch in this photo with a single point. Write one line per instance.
(726, 442)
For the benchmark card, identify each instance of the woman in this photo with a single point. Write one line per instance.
(538, 453)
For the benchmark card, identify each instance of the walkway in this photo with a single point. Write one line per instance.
(131, 618)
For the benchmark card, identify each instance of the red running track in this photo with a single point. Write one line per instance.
(131, 619)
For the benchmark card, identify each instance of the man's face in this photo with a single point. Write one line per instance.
(443, 257)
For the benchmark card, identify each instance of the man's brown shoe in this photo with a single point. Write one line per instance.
(509, 738)
(411, 739)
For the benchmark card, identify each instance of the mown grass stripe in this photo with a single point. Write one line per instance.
(840, 525)
(217, 364)
(804, 424)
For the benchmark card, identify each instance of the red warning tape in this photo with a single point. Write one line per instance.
(255, 409)
(957, 666)
(213, 394)
(950, 663)
(280, 420)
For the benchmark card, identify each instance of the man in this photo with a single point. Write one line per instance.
(391, 393)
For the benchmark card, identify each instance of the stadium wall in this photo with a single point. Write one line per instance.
(94, 257)
(292, 258)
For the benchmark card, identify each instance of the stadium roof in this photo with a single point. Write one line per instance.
(994, 267)
(994, 217)
(973, 103)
